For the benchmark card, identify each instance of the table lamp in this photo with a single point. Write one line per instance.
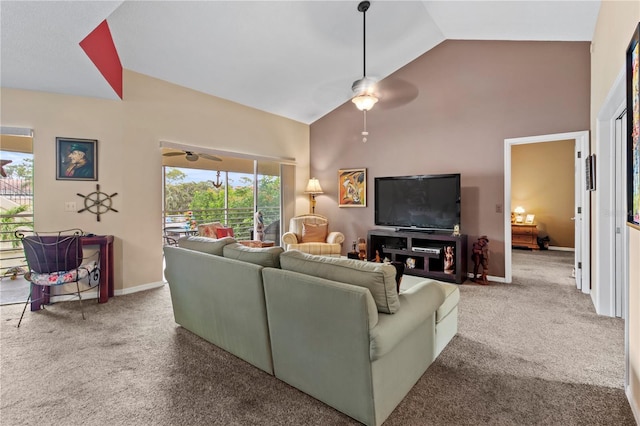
(519, 211)
(313, 188)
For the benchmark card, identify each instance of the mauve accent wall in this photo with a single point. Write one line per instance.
(451, 112)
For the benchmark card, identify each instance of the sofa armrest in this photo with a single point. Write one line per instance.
(289, 238)
(418, 306)
(335, 237)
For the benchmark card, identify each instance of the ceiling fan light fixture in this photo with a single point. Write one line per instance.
(190, 156)
(364, 102)
(364, 88)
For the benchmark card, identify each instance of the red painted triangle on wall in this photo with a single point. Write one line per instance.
(99, 47)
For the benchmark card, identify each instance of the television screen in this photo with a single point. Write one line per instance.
(430, 202)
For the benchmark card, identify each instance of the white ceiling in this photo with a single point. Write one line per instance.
(296, 59)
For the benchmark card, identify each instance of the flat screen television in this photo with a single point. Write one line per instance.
(421, 202)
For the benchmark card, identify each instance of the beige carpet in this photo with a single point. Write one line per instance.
(529, 353)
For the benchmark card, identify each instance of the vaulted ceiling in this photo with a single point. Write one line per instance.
(296, 59)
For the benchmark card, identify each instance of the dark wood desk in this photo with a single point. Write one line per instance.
(105, 283)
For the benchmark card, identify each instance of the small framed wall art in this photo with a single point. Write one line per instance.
(76, 159)
(352, 188)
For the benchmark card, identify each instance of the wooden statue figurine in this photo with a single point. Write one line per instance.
(258, 226)
(449, 265)
(362, 248)
(480, 257)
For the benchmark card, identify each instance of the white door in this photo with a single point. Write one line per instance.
(578, 212)
(620, 254)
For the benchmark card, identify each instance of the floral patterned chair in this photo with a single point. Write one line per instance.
(55, 259)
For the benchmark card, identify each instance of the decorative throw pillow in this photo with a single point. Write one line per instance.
(224, 232)
(314, 233)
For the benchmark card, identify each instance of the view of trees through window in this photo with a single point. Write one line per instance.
(232, 203)
(16, 206)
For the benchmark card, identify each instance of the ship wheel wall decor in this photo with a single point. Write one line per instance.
(98, 202)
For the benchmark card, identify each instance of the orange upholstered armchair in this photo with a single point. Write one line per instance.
(309, 233)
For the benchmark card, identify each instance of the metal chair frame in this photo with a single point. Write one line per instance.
(53, 254)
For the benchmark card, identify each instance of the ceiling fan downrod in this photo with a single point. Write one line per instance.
(363, 6)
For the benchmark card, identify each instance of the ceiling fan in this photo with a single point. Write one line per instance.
(192, 156)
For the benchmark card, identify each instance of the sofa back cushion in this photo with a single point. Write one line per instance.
(379, 278)
(205, 244)
(266, 256)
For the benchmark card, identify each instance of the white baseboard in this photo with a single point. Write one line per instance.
(561, 248)
(634, 408)
(490, 278)
(94, 293)
(138, 288)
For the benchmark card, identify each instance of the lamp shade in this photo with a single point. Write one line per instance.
(313, 187)
(519, 210)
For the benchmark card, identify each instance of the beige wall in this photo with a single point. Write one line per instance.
(128, 134)
(616, 23)
(542, 181)
(471, 95)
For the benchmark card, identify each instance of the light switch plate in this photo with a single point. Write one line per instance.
(70, 206)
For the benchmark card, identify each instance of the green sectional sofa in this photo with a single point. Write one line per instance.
(335, 328)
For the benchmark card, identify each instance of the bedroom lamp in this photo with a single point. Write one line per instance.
(313, 188)
(519, 211)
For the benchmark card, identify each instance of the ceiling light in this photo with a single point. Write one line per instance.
(364, 102)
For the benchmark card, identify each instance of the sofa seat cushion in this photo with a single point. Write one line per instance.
(266, 256)
(320, 249)
(379, 278)
(205, 244)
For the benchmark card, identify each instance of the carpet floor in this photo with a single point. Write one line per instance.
(528, 353)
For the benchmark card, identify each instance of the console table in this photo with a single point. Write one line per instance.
(424, 250)
(105, 283)
(524, 236)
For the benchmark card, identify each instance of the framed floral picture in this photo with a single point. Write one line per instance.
(352, 188)
(633, 129)
(76, 159)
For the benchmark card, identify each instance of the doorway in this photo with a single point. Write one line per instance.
(582, 207)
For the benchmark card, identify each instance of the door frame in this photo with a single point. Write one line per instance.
(582, 142)
(604, 234)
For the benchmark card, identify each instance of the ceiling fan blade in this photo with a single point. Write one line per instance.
(172, 154)
(210, 157)
(395, 92)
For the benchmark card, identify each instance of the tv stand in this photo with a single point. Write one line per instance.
(425, 250)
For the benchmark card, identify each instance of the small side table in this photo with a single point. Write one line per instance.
(524, 236)
(257, 243)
